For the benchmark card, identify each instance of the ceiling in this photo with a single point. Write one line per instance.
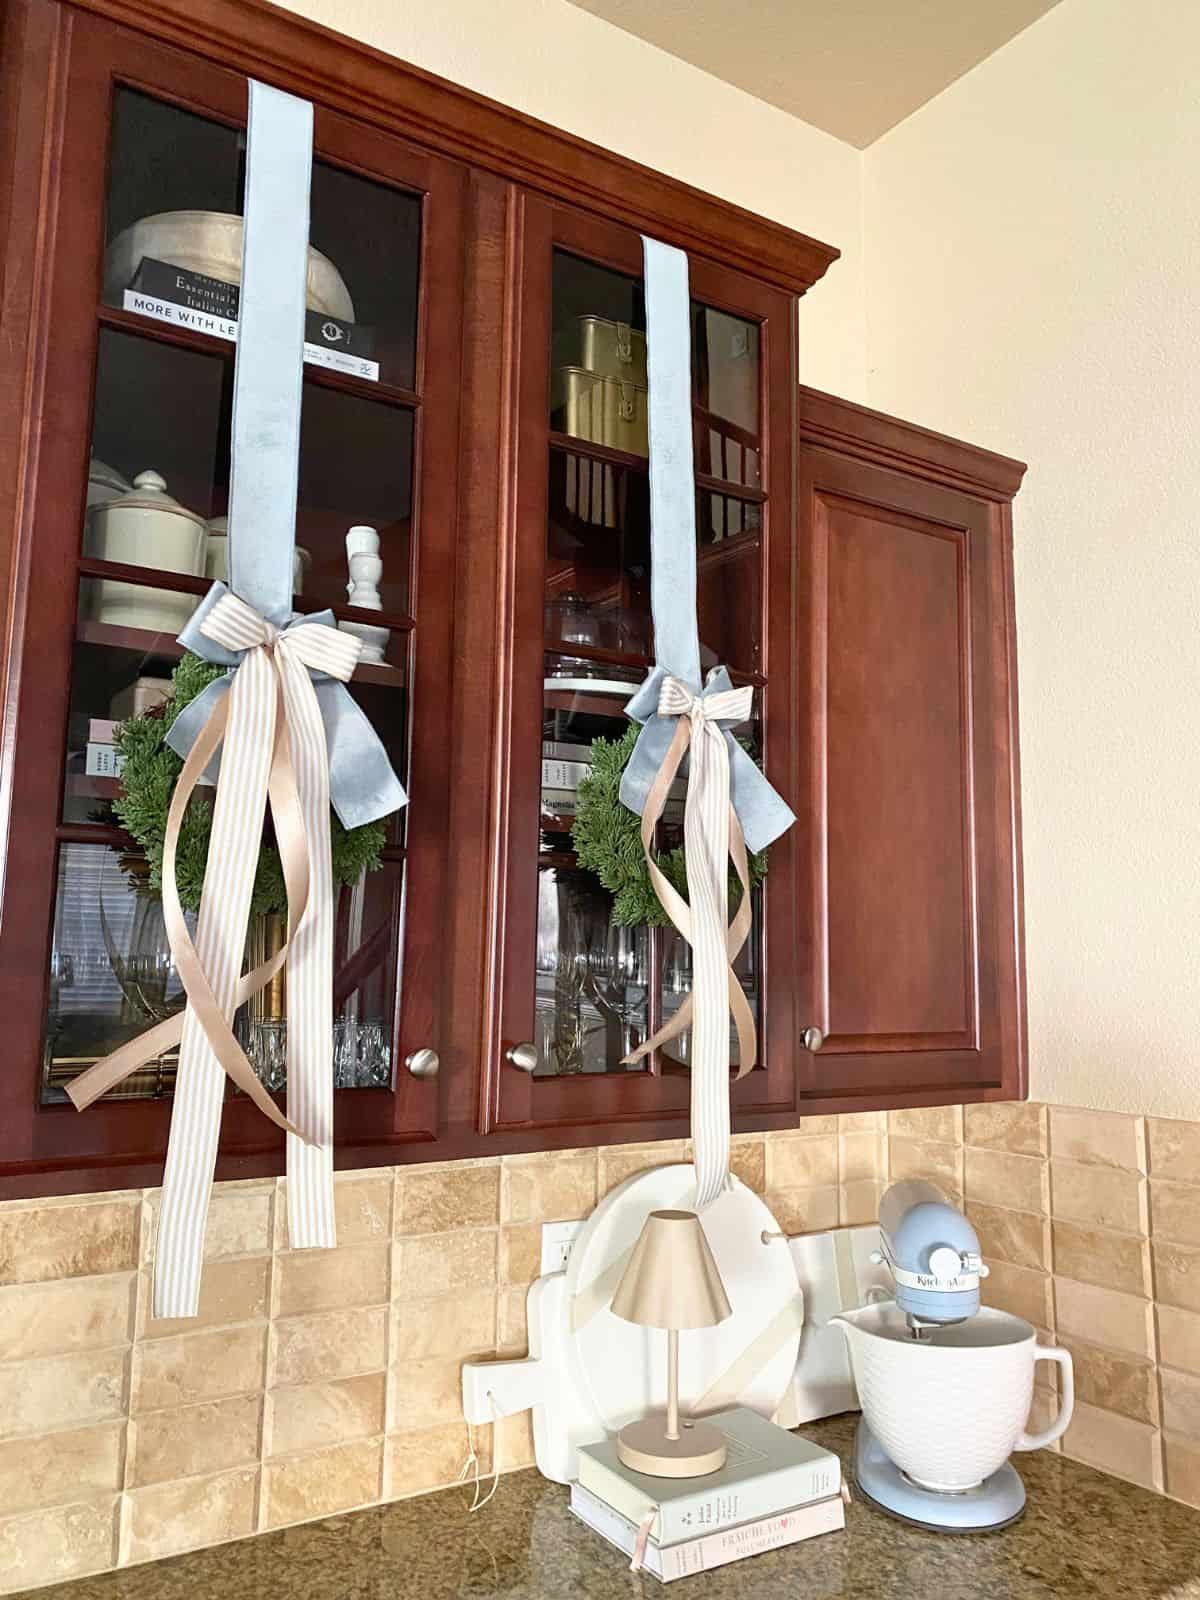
(852, 67)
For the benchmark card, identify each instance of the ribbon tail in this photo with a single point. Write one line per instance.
(303, 834)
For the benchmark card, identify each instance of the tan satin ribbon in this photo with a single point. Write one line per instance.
(680, 913)
(293, 854)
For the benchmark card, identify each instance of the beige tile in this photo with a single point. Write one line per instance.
(329, 1344)
(1177, 1274)
(801, 1162)
(462, 1325)
(323, 1482)
(1175, 1211)
(168, 1518)
(63, 1392)
(424, 1393)
(554, 1187)
(61, 1468)
(1114, 1381)
(621, 1161)
(942, 1124)
(521, 1253)
(1021, 1291)
(1182, 1460)
(199, 1366)
(69, 1241)
(1019, 1237)
(455, 1196)
(431, 1458)
(858, 1203)
(328, 1280)
(1020, 1127)
(1105, 1317)
(1093, 1255)
(512, 1442)
(512, 1332)
(814, 1127)
(748, 1161)
(1179, 1338)
(924, 1158)
(995, 1178)
(1115, 1444)
(239, 1221)
(1042, 1413)
(190, 1440)
(1099, 1197)
(362, 1206)
(443, 1263)
(45, 1319)
(1181, 1403)
(230, 1291)
(850, 1122)
(322, 1414)
(861, 1157)
(1174, 1149)
(1100, 1138)
(804, 1210)
(52, 1546)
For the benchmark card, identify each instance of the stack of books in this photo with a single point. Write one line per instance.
(775, 1489)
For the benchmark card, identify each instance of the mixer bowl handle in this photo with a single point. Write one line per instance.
(1038, 1441)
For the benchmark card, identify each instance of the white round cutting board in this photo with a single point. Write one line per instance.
(617, 1371)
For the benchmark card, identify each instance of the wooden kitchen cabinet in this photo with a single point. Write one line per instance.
(853, 570)
(911, 946)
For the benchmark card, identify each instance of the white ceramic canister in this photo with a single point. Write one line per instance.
(951, 1408)
(146, 528)
(216, 561)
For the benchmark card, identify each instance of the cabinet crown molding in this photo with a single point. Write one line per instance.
(309, 59)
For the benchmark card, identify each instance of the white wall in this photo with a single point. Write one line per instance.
(1032, 243)
(573, 70)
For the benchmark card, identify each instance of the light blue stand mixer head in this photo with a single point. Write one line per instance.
(933, 1254)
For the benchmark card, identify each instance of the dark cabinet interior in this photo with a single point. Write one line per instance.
(486, 425)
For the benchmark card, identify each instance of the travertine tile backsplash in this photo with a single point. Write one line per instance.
(315, 1382)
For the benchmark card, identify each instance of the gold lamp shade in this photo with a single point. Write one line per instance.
(671, 1282)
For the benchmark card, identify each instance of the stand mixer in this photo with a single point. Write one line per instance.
(945, 1385)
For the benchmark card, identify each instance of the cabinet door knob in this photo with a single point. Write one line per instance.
(524, 1056)
(812, 1039)
(423, 1063)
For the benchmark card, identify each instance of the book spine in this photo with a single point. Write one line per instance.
(704, 1554)
(709, 1511)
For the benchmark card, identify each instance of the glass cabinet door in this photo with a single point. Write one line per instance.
(132, 529)
(600, 977)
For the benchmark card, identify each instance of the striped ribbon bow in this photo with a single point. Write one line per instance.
(712, 835)
(274, 746)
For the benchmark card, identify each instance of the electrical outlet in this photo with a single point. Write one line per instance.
(557, 1239)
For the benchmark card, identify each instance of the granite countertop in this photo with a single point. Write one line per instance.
(1083, 1534)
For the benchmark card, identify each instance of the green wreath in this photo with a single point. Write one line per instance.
(608, 841)
(148, 780)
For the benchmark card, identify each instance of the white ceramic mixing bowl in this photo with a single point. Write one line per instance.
(950, 1410)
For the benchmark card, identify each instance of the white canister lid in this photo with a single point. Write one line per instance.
(149, 493)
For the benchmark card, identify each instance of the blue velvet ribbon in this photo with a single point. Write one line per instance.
(764, 815)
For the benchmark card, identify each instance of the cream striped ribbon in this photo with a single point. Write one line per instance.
(712, 835)
(271, 701)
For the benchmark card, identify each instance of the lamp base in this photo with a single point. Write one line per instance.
(645, 1447)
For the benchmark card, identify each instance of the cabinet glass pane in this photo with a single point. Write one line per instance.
(111, 975)
(597, 555)
(725, 388)
(592, 978)
(161, 424)
(173, 235)
(729, 582)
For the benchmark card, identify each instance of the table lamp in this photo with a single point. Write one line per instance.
(671, 1282)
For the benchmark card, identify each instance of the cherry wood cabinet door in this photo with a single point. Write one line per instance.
(911, 923)
(566, 604)
(134, 127)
